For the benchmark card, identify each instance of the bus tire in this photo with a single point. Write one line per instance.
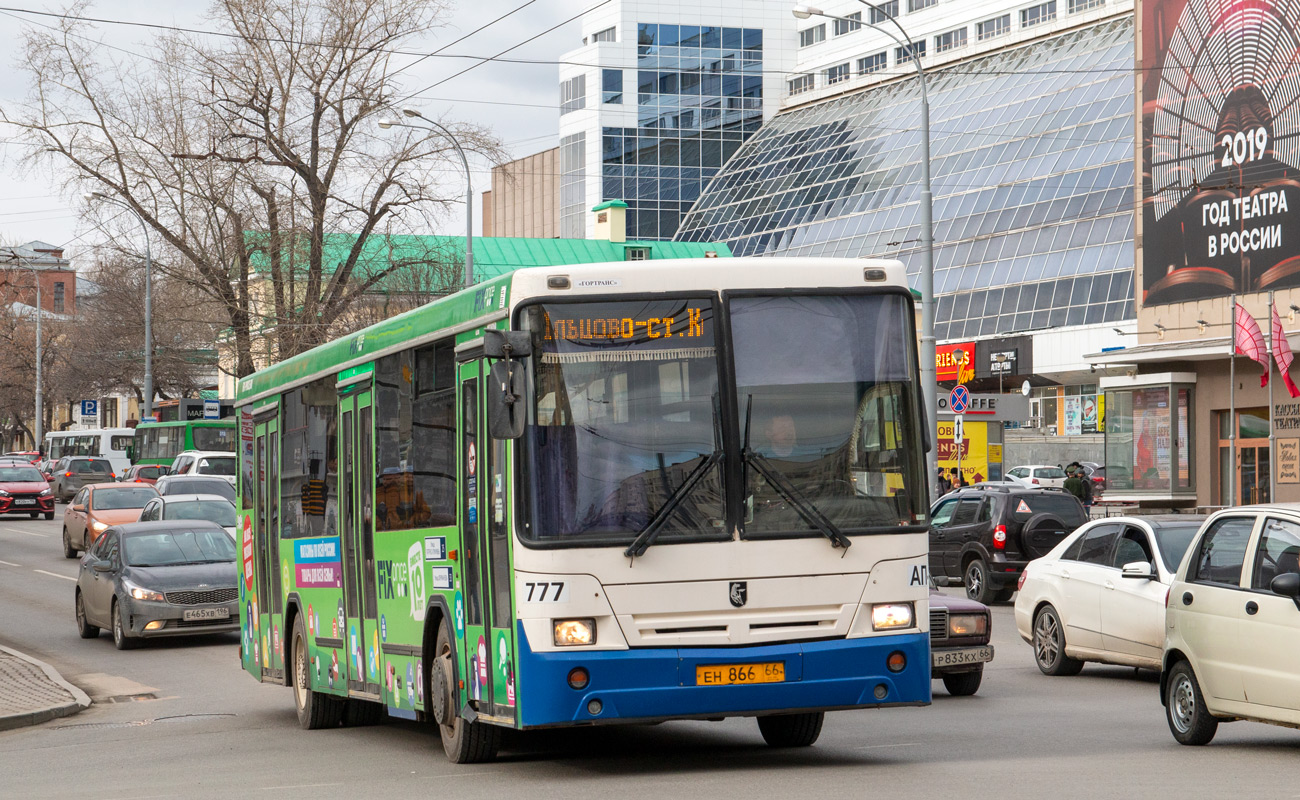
(464, 742)
(316, 710)
(361, 713)
(792, 730)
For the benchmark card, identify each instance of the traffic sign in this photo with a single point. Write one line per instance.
(957, 433)
(90, 408)
(959, 399)
(212, 409)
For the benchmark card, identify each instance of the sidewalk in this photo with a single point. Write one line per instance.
(32, 692)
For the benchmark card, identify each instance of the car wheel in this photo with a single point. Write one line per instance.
(963, 684)
(35, 515)
(68, 550)
(1049, 645)
(1003, 595)
(84, 628)
(791, 730)
(49, 515)
(120, 640)
(465, 742)
(976, 580)
(315, 709)
(1189, 720)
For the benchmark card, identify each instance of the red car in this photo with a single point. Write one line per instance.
(23, 490)
(143, 473)
(30, 456)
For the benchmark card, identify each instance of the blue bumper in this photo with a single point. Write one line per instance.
(659, 683)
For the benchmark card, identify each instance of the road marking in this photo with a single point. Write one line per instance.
(897, 744)
(54, 575)
(10, 564)
(298, 786)
(29, 533)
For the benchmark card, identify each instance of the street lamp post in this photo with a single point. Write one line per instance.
(147, 411)
(929, 381)
(469, 186)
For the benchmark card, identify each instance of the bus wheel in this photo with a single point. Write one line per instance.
(791, 730)
(465, 742)
(315, 709)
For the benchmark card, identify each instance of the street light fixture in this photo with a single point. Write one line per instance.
(469, 186)
(929, 380)
(146, 413)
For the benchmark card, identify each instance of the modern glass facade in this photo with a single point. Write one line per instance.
(699, 96)
(1033, 181)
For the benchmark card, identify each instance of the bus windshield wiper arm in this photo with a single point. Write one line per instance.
(647, 536)
(801, 504)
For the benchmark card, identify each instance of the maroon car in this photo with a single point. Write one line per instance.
(23, 490)
(960, 630)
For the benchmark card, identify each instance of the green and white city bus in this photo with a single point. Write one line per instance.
(161, 442)
(607, 493)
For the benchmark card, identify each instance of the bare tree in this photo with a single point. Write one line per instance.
(253, 157)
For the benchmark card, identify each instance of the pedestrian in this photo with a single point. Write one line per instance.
(1087, 489)
(1073, 485)
(958, 480)
(945, 485)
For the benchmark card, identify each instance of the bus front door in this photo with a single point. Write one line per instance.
(356, 516)
(489, 639)
(270, 587)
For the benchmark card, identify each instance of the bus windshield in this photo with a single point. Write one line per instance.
(626, 431)
(625, 411)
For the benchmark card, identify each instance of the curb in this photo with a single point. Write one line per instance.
(27, 718)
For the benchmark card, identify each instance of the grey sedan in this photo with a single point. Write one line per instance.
(167, 578)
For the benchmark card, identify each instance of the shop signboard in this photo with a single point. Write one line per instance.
(955, 362)
(1288, 460)
(1220, 148)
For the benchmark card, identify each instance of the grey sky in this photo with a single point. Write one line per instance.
(32, 207)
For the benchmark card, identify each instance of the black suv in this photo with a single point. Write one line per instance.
(984, 535)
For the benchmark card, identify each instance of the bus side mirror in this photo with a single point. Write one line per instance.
(507, 344)
(505, 400)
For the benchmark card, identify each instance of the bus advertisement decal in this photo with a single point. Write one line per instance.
(435, 548)
(318, 563)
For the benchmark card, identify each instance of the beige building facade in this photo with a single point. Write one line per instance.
(525, 198)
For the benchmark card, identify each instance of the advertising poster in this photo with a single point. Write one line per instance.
(1073, 416)
(1221, 148)
(974, 450)
(1090, 413)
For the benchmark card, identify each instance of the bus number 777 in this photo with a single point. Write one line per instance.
(540, 590)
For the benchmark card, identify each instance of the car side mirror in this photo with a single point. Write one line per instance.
(1288, 585)
(1139, 570)
(505, 400)
(79, 508)
(102, 565)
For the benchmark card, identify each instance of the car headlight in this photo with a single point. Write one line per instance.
(141, 593)
(3, 493)
(968, 625)
(574, 632)
(44, 492)
(98, 527)
(886, 616)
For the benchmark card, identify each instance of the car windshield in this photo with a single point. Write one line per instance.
(1173, 541)
(1049, 472)
(220, 440)
(217, 466)
(20, 475)
(198, 486)
(218, 511)
(827, 407)
(171, 548)
(625, 412)
(112, 499)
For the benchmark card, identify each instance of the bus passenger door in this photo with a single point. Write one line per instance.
(489, 643)
(270, 590)
(356, 500)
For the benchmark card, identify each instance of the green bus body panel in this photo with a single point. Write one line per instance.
(188, 427)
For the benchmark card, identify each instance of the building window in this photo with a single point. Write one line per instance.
(949, 40)
(637, 254)
(917, 5)
(993, 27)
(573, 186)
(837, 73)
(811, 36)
(903, 55)
(887, 11)
(1083, 5)
(573, 94)
(607, 35)
(801, 84)
(1036, 15)
(873, 63)
(850, 23)
(611, 86)
(58, 297)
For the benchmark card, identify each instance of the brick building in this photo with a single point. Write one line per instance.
(58, 281)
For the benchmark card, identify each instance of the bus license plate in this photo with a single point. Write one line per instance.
(199, 614)
(732, 674)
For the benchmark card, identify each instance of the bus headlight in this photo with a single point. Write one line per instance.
(574, 632)
(887, 616)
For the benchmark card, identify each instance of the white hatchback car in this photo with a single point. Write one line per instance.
(1039, 475)
(1232, 649)
(1099, 595)
(199, 462)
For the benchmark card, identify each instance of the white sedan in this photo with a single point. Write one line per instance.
(1039, 476)
(1099, 595)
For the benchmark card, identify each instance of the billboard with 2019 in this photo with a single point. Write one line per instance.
(1220, 94)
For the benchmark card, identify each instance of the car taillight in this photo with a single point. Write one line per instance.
(67, 474)
(112, 474)
(1000, 537)
(1034, 481)
(1020, 584)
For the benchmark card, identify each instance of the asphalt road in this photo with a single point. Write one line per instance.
(179, 719)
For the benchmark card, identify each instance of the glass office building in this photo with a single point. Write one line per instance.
(1032, 163)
